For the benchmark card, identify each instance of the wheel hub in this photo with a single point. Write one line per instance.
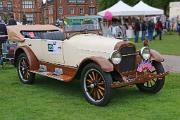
(92, 85)
(95, 83)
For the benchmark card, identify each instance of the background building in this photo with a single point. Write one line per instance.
(30, 8)
(174, 10)
(48, 11)
(36, 12)
(6, 9)
(63, 8)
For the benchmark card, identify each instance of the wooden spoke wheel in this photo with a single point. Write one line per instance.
(24, 74)
(96, 85)
(154, 85)
(152, 82)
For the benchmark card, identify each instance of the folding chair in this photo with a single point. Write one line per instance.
(3, 38)
(8, 52)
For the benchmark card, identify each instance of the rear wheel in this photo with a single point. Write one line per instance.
(96, 85)
(154, 85)
(23, 70)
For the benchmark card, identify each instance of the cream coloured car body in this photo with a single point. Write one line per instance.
(40, 50)
(72, 51)
(82, 46)
(35, 46)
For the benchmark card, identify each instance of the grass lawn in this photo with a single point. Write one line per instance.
(170, 44)
(49, 99)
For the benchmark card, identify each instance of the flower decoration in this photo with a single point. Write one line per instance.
(144, 65)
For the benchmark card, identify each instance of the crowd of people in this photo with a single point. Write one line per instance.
(3, 29)
(145, 28)
(11, 21)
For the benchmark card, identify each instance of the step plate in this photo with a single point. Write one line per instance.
(63, 77)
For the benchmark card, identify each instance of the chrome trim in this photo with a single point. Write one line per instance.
(129, 54)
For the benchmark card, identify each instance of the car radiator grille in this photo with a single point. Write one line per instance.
(128, 62)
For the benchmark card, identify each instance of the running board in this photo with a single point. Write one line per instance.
(65, 78)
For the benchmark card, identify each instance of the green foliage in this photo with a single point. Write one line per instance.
(5, 17)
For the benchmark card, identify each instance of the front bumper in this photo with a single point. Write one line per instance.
(134, 77)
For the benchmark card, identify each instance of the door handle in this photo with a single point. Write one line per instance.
(59, 47)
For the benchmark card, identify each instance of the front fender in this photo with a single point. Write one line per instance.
(104, 63)
(156, 56)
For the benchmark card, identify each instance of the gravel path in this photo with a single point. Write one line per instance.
(172, 63)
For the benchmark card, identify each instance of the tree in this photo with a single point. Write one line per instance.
(5, 17)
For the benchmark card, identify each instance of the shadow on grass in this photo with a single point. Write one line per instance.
(73, 89)
(70, 89)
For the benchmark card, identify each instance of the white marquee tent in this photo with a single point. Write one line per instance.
(143, 9)
(122, 9)
(119, 9)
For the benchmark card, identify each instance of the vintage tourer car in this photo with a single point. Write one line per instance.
(78, 51)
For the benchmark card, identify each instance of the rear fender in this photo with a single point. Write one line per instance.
(32, 59)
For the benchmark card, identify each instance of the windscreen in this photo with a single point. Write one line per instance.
(76, 25)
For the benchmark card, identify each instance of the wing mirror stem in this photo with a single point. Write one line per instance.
(146, 43)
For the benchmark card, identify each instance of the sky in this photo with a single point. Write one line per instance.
(44, 1)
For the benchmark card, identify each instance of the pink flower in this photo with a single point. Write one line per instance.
(144, 66)
(139, 69)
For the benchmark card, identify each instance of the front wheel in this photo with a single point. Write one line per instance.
(24, 74)
(96, 85)
(154, 85)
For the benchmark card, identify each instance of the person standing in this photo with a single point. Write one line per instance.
(3, 37)
(167, 24)
(124, 29)
(24, 20)
(109, 32)
(174, 26)
(159, 28)
(150, 29)
(143, 29)
(12, 21)
(136, 29)
(178, 24)
(3, 32)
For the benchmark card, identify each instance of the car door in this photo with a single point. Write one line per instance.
(52, 51)
(36, 46)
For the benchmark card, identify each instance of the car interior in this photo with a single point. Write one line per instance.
(50, 35)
